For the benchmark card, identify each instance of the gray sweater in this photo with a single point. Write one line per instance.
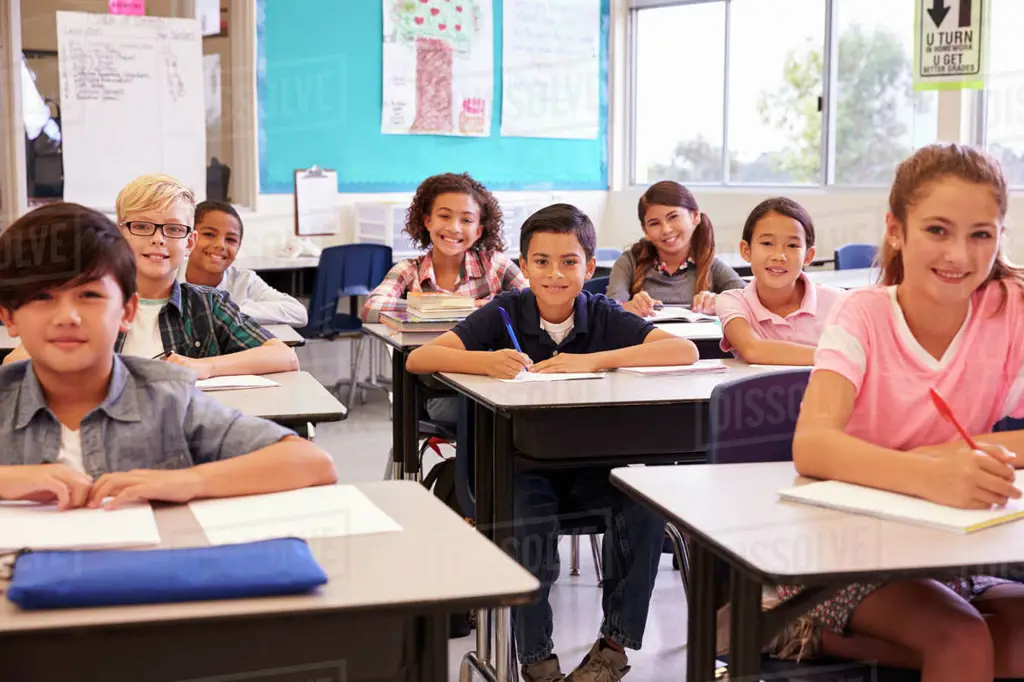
(674, 289)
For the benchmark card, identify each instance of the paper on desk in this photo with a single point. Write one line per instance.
(678, 313)
(236, 381)
(41, 526)
(528, 377)
(323, 512)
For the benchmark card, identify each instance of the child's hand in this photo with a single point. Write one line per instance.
(972, 479)
(566, 363)
(141, 485)
(642, 304)
(45, 483)
(506, 364)
(704, 303)
(203, 370)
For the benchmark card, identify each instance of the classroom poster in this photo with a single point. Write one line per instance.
(551, 52)
(950, 44)
(438, 67)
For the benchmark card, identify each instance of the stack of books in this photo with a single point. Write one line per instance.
(431, 313)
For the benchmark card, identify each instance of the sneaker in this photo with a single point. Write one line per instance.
(547, 670)
(602, 664)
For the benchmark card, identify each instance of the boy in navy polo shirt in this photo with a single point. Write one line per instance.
(562, 328)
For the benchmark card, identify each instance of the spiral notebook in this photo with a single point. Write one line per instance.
(860, 499)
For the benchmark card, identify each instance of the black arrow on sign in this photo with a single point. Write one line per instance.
(939, 11)
(965, 13)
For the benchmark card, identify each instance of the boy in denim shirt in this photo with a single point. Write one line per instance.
(80, 424)
(561, 328)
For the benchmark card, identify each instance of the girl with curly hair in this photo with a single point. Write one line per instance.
(459, 224)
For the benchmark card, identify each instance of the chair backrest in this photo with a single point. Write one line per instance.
(753, 419)
(345, 270)
(851, 256)
(596, 285)
(607, 254)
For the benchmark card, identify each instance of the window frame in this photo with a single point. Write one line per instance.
(830, 65)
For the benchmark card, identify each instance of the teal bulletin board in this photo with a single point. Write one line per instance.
(319, 91)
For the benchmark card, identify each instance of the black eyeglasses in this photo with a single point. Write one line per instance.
(141, 228)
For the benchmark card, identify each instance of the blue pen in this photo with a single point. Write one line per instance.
(508, 326)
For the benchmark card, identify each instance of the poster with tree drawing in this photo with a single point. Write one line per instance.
(438, 67)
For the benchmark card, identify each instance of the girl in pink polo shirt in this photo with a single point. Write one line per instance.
(778, 317)
(951, 315)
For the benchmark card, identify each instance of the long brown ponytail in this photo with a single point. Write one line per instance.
(702, 241)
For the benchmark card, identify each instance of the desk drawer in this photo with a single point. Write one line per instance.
(611, 431)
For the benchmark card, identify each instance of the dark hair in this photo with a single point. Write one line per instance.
(559, 219)
(61, 245)
(491, 221)
(784, 206)
(212, 205)
(702, 241)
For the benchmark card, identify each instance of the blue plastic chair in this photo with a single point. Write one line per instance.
(607, 254)
(350, 270)
(596, 285)
(852, 256)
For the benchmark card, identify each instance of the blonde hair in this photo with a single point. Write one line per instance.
(156, 192)
(927, 166)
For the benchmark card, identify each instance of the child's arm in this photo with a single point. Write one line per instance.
(821, 449)
(658, 348)
(448, 354)
(756, 350)
(234, 455)
(267, 305)
(45, 483)
(273, 356)
(388, 294)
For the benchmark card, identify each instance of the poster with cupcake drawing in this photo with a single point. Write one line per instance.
(438, 67)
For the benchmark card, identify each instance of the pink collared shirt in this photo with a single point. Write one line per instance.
(981, 374)
(804, 325)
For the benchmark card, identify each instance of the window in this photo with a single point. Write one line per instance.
(766, 69)
(1004, 119)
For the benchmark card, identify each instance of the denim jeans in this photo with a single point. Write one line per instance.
(631, 551)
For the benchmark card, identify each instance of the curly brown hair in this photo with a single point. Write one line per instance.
(491, 221)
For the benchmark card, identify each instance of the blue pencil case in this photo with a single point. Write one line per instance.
(54, 580)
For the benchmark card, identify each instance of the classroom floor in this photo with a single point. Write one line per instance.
(360, 448)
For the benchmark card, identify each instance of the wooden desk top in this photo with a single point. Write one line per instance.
(735, 507)
(616, 389)
(299, 398)
(438, 561)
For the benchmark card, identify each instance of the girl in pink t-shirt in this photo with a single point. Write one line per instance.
(778, 317)
(950, 316)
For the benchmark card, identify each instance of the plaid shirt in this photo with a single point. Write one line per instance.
(483, 276)
(201, 322)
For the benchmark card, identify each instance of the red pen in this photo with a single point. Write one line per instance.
(946, 411)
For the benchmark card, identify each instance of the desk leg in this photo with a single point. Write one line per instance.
(397, 414)
(701, 626)
(745, 627)
(434, 663)
(411, 425)
(483, 493)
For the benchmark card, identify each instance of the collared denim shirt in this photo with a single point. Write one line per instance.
(153, 417)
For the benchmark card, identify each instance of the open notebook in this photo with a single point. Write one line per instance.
(903, 508)
(678, 314)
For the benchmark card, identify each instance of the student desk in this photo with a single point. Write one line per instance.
(382, 616)
(287, 334)
(406, 405)
(732, 511)
(294, 276)
(299, 399)
(620, 419)
(846, 279)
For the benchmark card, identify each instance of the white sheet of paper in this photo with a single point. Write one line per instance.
(41, 526)
(236, 381)
(530, 377)
(322, 512)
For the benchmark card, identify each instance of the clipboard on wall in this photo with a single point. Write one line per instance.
(316, 202)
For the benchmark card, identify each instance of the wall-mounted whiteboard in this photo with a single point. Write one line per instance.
(131, 103)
